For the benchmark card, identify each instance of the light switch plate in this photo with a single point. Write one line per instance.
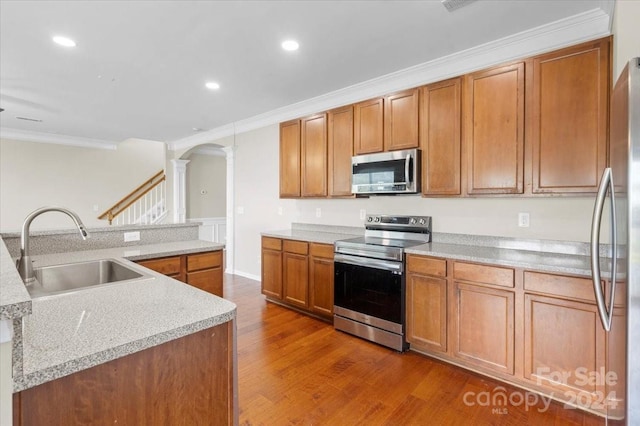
(318, 212)
(132, 236)
(363, 214)
(523, 220)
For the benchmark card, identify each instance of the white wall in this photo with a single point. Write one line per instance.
(257, 182)
(208, 174)
(33, 175)
(626, 34)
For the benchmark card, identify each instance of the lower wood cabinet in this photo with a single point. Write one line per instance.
(201, 270)
(427, 303)
(484, 327)
(295, 273)
(534, 329)
(321, 279)
(272, 267)
(298, 274)
(186, 381)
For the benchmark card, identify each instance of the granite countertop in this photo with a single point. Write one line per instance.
(310, 236)
(70, 332)
(534, 260)
(465, 249)
(15, 301)
(135, 253)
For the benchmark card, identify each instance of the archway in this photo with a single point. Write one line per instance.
(203, 192)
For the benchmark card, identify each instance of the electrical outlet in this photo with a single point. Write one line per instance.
(318, 212)
(363, 214)
(279, 210)
(132, 236)
(96, 208)
(240, 210)
(523, 220)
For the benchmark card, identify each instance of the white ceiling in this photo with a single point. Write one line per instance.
(139, 67)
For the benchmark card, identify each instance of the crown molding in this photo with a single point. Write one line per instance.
(579, 28)
(52, 138)
(209, 150)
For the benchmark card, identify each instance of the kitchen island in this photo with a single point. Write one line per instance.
(123, 352)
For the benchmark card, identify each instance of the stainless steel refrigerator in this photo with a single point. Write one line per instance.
(619, 299)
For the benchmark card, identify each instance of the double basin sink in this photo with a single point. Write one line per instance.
(58, 279)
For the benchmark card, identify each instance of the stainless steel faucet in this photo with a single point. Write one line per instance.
(25, 268)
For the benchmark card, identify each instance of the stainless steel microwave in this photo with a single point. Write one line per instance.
(395, 172)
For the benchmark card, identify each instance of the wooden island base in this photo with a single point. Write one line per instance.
(187, 381)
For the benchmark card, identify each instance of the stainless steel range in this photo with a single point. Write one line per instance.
(369, 285)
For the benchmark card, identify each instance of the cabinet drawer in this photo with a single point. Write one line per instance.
(166, 265)
(321, 250)
(271, 243)
(560, 285)
(297, 247)
(426, 265)
(484, 274)
(196, 262)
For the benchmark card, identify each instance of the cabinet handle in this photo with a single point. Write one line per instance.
(606, 314)
(407, 175)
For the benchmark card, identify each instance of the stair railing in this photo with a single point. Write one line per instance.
(144, 205)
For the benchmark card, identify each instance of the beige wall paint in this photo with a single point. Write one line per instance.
(626, 33)
(33, 175)
(206, 173)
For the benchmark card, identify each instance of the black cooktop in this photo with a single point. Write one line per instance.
(377, 241)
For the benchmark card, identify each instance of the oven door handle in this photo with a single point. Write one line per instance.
(395, 267)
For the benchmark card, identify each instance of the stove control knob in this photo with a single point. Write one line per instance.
(369, 219)
(377, 219)
(412, 221)
(422, 222)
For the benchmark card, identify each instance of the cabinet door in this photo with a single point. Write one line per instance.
(564, 343)
(368, 119)
(401, 120)
(427, 312)
(208, 280)
(321, 285)
(340, 140)
(314, 156)
(290, 159)
(484, 327)
(296, 279)
(272, 273)
(494, 130)
(440, 137)
(569, 118)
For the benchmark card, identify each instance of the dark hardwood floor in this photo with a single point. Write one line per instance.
(296, 370)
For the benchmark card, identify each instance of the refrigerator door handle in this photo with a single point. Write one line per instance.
(605, 184)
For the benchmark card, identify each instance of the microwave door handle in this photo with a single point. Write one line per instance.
(407, 165)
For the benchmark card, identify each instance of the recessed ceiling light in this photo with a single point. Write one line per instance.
(64, 41)
(290, 45)
(212, 85)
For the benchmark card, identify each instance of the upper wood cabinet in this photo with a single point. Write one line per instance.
(340, 140)
(568, 118)
(290, 159)
(401, 120)
(314, 156)
(440, 137)
(368, 126)
(494, 130)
